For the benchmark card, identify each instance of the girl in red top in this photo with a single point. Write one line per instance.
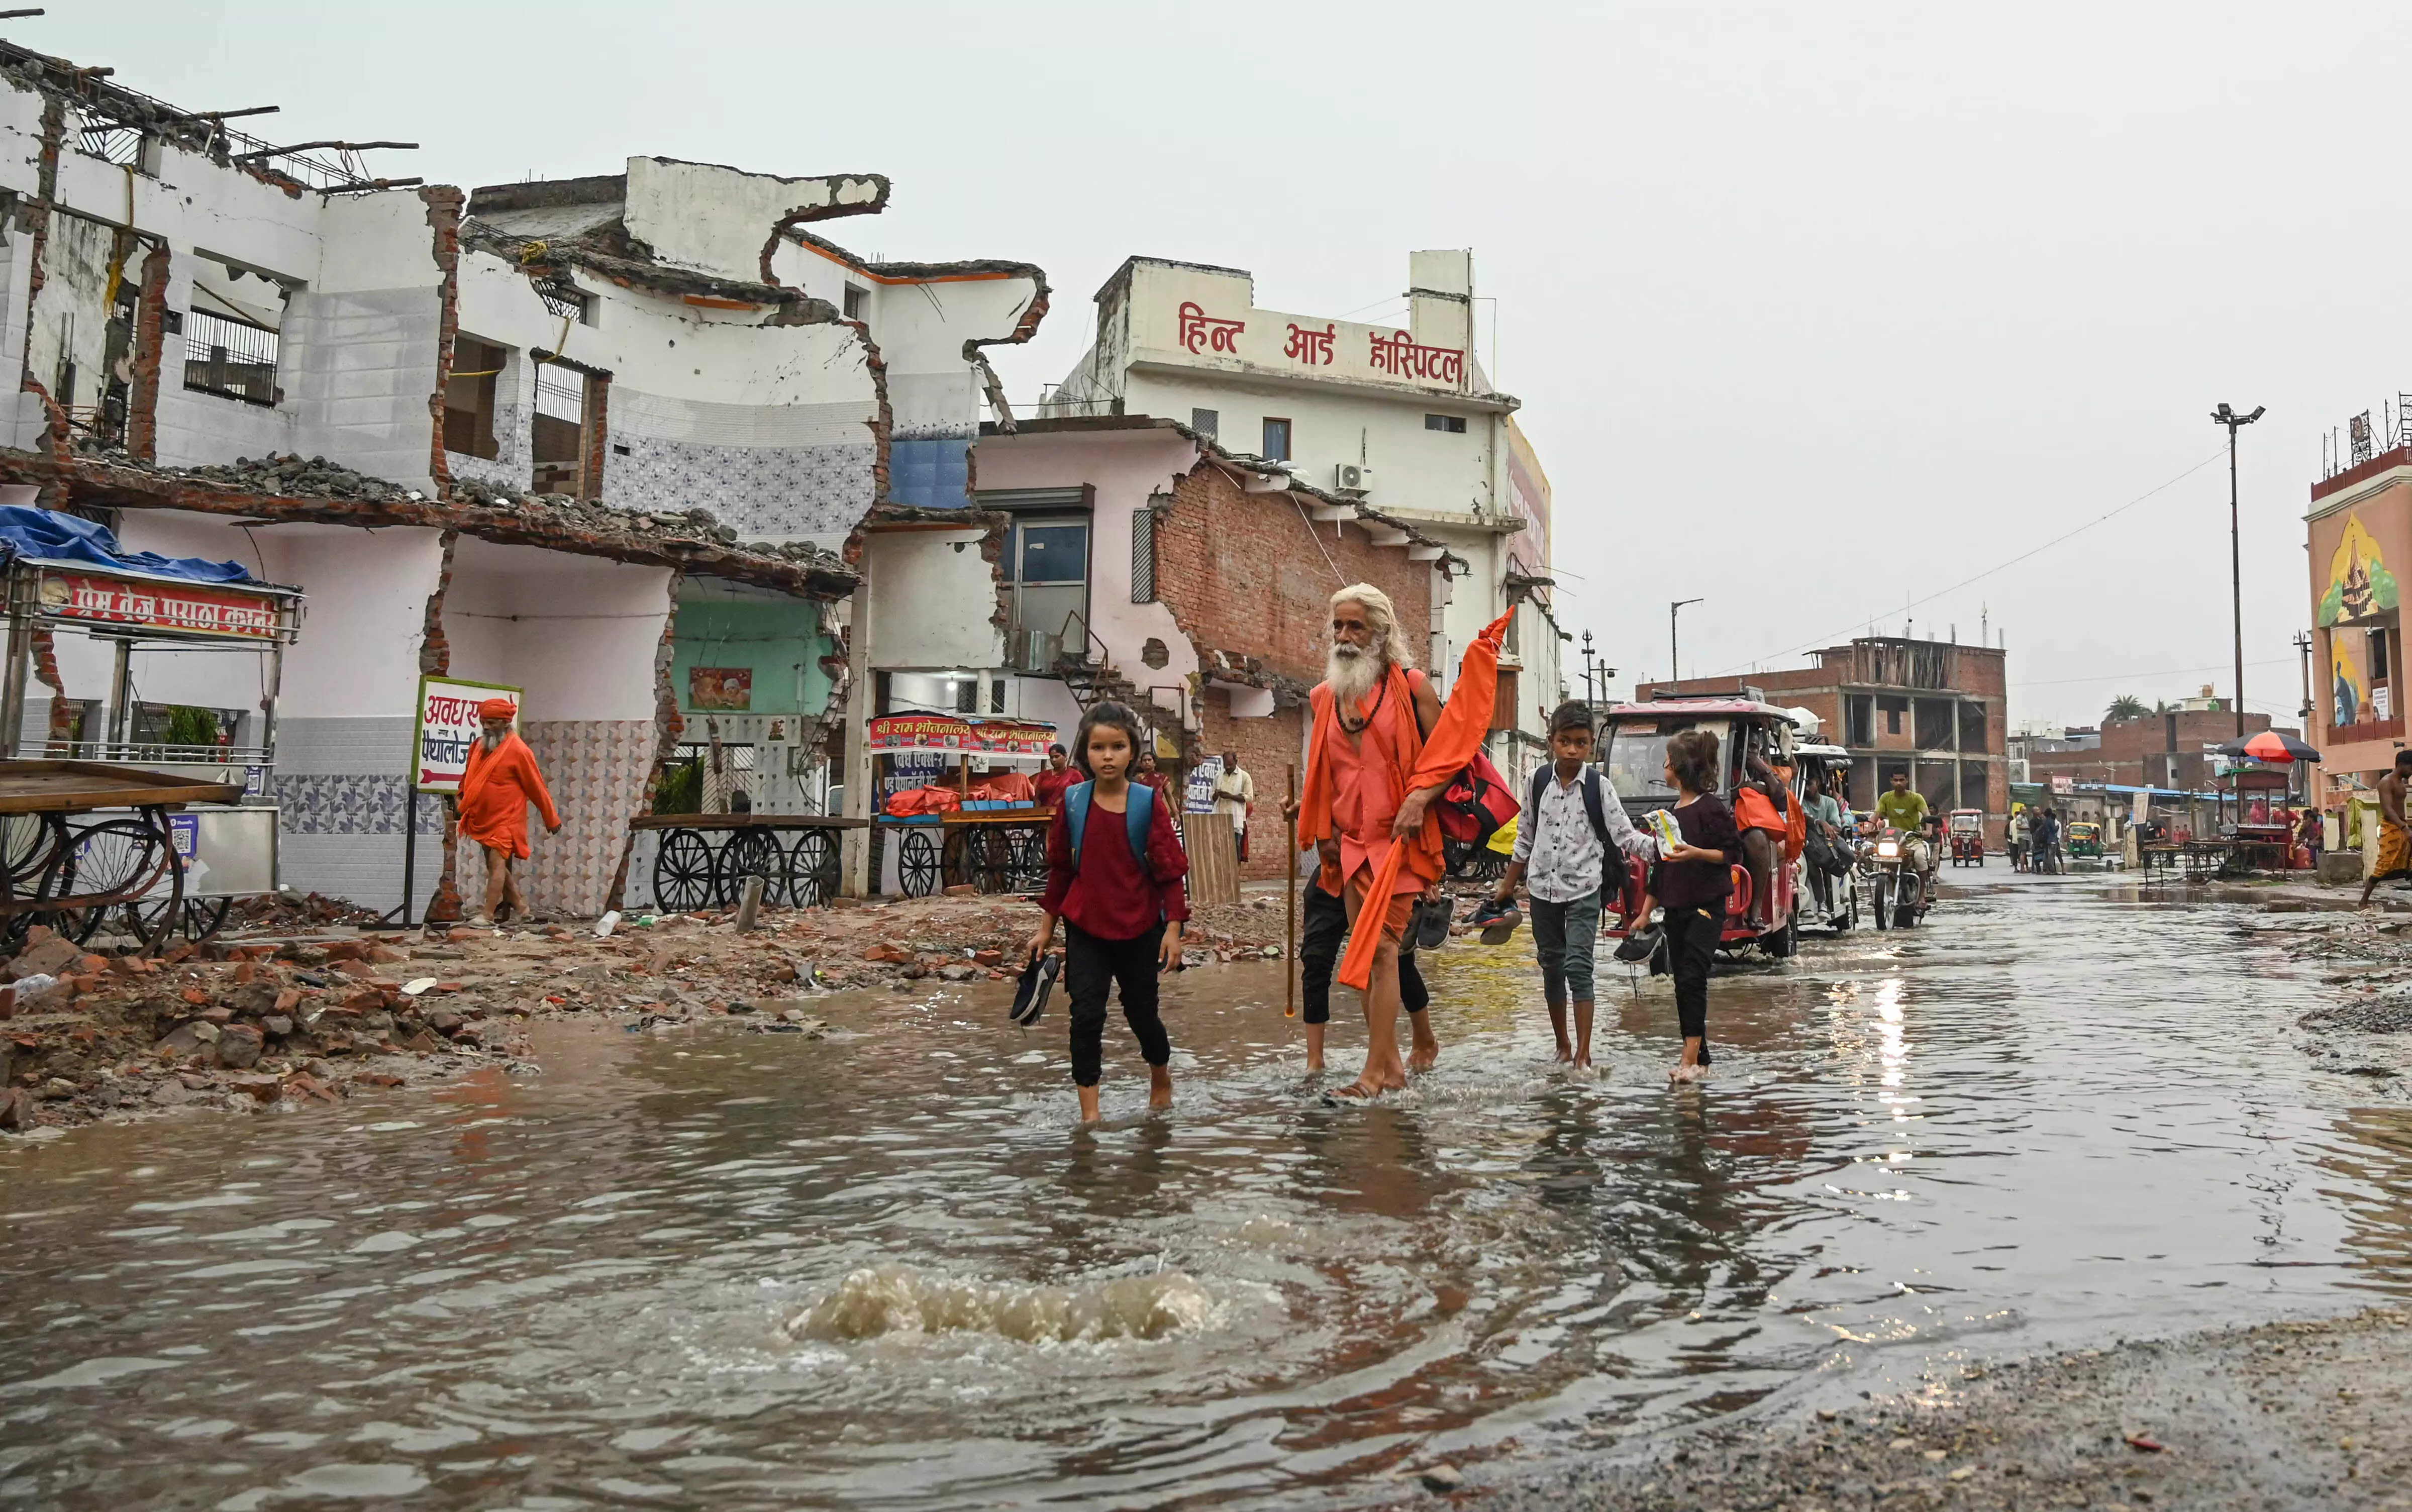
(1121, 912)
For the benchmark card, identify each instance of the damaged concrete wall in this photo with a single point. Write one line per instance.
(924, 318)
(933, 605)
(768, 426)
(718, 220)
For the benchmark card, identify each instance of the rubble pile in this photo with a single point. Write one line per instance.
(249, 1023)
(296, 910)
(292, 478)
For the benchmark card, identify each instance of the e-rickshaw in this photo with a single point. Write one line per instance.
(2085, 841)
(1967, 837)
(1633, 758)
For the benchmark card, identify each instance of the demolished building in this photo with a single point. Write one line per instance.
(592, 438)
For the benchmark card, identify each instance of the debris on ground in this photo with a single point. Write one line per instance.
(302, 997)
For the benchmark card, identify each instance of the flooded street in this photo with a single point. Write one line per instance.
(886, 1269)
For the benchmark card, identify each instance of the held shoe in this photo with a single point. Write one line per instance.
(1641, 945)
(1497, 918)
(1030, 995)
(1432, 923)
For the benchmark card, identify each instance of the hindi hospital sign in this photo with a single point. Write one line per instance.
(1335, 349)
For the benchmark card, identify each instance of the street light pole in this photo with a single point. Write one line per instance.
(1588, 698)
(2224, 415)
(1674, 661)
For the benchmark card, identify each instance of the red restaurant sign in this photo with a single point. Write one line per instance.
(189, 609)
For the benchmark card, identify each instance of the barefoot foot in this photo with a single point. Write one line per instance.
(1423, 1050)
(1159, 1087)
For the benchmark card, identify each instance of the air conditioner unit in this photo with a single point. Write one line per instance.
(1352, 478)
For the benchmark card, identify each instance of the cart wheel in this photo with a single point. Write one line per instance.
(200, 917)
(987, 861)
(813, 868)
(955, 858)
(1027, 849)
(683, 873)
(109, 862)
(917, 864)
(751, 853)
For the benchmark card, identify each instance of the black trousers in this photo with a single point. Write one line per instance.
(1092, 968)
(1321, 933)
(1691, 950)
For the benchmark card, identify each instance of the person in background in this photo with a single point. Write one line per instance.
(2394, 837)
(1235, 799)
(1761, 807)
(2018, 838)
(1691, 883)
(496, 787)
(1048, 786)
(1826, 824)
(1146, 771)
(2043, 841)
(1121, 904)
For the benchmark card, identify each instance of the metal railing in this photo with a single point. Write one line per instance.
(238, 360)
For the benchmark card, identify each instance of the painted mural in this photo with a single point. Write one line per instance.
(2360, 586)
(2348, 684)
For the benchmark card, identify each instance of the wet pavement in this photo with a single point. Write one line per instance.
(886, 1268)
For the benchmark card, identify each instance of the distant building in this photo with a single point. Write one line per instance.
(1931, 709)
(2359, 529)
(2175, 748)
(1402, 420)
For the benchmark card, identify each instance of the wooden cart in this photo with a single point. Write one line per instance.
(74, 876)
(794, 854)
(994, 849)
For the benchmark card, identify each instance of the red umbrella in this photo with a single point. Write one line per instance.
(2269, 745)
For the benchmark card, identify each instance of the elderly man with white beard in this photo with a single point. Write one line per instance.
(1371, 713)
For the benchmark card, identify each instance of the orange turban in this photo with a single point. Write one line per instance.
(498, 708)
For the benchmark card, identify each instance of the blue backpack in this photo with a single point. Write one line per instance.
(1135, 819)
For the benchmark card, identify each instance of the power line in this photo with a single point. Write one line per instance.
(1828, 638)
(2166, 671)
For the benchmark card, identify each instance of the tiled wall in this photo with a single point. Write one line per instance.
(341, 830)
(766, 470)
(595, 769)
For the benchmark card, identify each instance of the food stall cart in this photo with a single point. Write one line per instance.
(936, 836)
(143, 832)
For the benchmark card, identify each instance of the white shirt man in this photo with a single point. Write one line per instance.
(1235, 793)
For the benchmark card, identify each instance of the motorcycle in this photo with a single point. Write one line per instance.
(1894, 869)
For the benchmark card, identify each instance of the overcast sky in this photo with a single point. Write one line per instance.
(1814, 309)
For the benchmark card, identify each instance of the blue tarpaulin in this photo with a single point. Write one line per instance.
(25, 531)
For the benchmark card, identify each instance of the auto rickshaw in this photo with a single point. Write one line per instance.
(2084, 839)
(1967, 837)
(1633, 759)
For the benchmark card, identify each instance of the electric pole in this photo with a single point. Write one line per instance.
(1675, 658)
(2224, 415)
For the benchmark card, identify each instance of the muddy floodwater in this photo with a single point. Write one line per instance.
(886, 1269)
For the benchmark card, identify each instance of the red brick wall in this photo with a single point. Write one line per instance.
(1242, 575)
(1267, 747)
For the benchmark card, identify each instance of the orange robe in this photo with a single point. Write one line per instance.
(495, 792)
(1425, 763)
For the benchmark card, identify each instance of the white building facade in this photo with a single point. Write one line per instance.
(1405, 421)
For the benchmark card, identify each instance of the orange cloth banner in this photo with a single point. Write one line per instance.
(1464, 720)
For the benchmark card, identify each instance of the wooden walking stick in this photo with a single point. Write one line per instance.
(1289, 890)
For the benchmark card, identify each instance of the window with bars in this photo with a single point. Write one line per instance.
(1142, 556)
(231, 358)
(564, 300)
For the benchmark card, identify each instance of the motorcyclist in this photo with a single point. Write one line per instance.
(1906, 811)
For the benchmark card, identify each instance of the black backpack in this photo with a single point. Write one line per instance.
(1592, 805)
